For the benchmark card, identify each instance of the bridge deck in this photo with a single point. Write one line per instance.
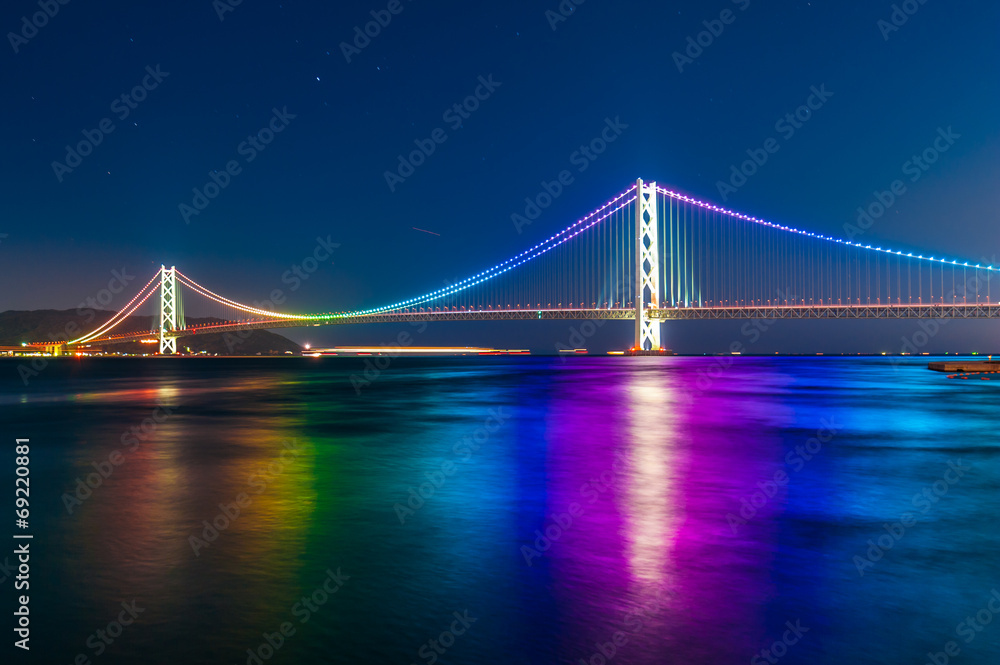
(888, 311)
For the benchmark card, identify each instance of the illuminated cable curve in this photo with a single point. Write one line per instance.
(530, 254)
(496, 270)
(748, 218)
(246, 308)
(109, 323)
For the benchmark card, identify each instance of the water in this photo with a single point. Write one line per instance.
(636, 469)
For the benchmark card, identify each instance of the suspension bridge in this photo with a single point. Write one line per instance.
(650, 255)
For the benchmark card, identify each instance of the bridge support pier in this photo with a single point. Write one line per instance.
(170, 307)
(647, 291)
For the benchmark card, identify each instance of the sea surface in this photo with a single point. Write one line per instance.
(505, 510)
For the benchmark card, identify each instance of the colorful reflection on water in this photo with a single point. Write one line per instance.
(512, 511)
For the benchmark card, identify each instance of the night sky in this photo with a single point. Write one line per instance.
(219, 73)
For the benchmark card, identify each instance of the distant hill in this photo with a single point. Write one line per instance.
(50, 324)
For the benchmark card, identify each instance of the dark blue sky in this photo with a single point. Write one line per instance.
(323, 175)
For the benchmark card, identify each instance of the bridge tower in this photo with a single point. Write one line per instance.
(171, 313)
(647, 283)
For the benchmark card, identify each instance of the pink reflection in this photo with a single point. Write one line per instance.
(722, 577)
(653, 450)
(651, 557)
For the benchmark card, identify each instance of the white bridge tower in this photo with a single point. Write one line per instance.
(171, 314)
(647, 268)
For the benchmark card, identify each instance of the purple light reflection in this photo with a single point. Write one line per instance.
(651, 557)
